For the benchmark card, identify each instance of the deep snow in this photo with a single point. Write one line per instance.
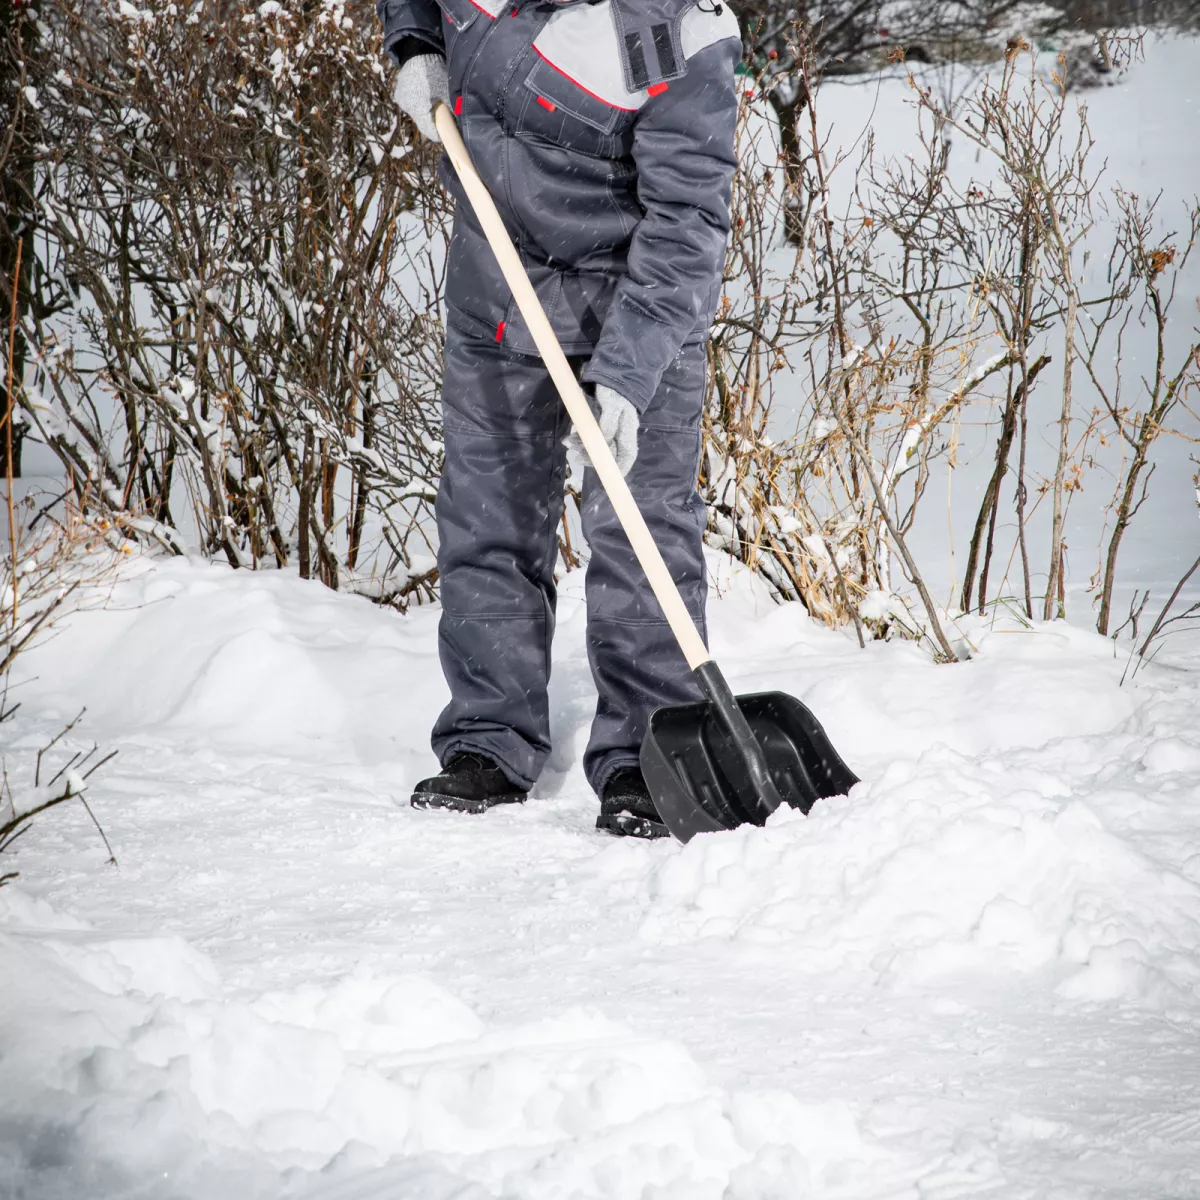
(977, 975)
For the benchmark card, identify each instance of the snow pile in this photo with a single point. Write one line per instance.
(136, 1062)
(939, 869)
(1007, 840)
(978, 972)
(1009, 824)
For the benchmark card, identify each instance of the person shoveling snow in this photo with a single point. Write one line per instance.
(604, 138)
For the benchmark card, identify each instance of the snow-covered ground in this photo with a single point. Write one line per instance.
(977, 975)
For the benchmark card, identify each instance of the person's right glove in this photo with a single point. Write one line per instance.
(618, 421)
(419, 82)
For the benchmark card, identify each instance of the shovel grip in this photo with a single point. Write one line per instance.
(729, 713)
(624, 505)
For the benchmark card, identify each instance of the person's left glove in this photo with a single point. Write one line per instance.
(419, 82)
(618, 421)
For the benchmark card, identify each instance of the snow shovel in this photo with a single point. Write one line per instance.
(721, 762)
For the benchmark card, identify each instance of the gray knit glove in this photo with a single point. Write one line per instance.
(419, 82)
(618, 422)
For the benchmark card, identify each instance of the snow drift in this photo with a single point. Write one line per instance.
(975, 974)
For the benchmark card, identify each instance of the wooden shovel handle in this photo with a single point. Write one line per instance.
(628, 513)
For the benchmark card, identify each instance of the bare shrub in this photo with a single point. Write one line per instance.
(932, 292)
(864, 317)
(1043, 209)
(1170, 619)
(69, 782)
(39, 581)
(58, 563)
(1148, 264)
(235, 310)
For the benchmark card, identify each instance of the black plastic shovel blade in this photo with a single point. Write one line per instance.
(697, 773)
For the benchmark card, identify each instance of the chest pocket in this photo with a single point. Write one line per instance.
(557, 95)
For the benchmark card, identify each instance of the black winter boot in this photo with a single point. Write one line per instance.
(468, 782)
(626, 808)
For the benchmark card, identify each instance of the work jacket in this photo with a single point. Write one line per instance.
(604, 132)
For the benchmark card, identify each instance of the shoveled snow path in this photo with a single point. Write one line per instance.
(978, 975)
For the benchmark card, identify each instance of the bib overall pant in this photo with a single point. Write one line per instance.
(498, 517)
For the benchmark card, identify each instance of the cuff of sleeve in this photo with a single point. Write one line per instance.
(410, 45)
(598, 372)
